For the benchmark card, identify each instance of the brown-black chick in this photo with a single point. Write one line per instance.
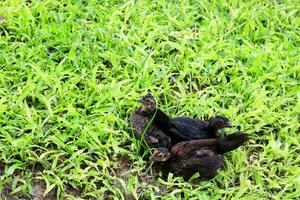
(203, 155)
(145, 129)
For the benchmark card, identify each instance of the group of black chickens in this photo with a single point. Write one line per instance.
(182, 145)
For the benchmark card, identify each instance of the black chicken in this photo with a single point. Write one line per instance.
(184, 128)
(145, 129)
(203, 156)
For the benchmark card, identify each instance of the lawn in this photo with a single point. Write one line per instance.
(71, 72)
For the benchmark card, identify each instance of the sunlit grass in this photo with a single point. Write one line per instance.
(71, 71)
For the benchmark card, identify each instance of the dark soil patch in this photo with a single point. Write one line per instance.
(39, 188)
(76, 192)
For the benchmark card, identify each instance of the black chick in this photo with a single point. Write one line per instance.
(203, 156)
(184, 128)
(145, 129)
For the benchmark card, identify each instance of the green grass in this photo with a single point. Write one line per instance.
(71, 71)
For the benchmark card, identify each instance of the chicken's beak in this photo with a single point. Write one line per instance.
(152, 158)
(141, 100)
(228, 125)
